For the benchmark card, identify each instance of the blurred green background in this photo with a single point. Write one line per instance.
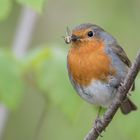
(34, 85)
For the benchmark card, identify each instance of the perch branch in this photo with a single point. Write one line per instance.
(122, 91)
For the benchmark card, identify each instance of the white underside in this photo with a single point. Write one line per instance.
(97, 93)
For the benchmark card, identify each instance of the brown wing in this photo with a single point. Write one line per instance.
(122, 55)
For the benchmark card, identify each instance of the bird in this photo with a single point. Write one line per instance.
(97, 65)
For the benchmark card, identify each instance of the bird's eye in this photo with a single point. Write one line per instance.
(90, 34)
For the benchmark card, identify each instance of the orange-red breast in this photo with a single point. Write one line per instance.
(97, 65)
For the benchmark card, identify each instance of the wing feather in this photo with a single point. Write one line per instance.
(123, 56)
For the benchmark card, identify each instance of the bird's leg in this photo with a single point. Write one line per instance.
(122, 84)
(98, 121)
(129, 94)
(99, 111)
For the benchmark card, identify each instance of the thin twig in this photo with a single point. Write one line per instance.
(43, 114)
(120, 96)
(41, 119)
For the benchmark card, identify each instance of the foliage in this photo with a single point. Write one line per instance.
(6, 6)
(11, 83)
(48, 65)
(35, 4)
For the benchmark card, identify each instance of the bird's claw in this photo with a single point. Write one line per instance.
(96, 124)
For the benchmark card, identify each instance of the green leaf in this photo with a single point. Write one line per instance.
(37, 5)
(11, 84)
(5, 8)
(51, 75)
(34, 59)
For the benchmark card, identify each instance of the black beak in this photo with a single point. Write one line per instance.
(75, 38)
(72, 38)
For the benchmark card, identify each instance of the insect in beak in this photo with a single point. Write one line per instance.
(68, 38)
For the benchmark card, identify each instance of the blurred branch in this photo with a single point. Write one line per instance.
(24, 32)
(21, 43)
(122, 91)
(22, 40)
(4, 112)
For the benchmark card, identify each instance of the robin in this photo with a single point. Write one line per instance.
(97, 66)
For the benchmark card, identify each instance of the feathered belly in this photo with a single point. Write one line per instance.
(97, 92)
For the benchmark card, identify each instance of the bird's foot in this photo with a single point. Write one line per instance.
(97, 124)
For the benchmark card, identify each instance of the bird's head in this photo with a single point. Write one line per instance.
(88, 34)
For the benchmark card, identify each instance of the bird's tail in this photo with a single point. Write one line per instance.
(127, 106)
